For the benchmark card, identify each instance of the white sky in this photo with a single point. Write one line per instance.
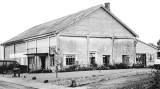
(16, 16)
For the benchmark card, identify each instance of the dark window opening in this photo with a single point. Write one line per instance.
(158, 55)
(151, 57)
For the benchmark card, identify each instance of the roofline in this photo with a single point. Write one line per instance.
(110, 14)
(13, 42)
(122, 23)
(146, 44)
(72, 22)
(29, 38)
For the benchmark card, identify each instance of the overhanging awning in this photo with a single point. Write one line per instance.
(36, 54)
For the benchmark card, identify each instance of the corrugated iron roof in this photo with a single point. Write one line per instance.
(59, 24)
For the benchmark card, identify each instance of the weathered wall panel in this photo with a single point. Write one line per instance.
(43, 45)
(20, 48)
(98, 23)
(53, 41)
(74, 45)
(102, 46)
(124, 47)
(8, 51)
(32, 44)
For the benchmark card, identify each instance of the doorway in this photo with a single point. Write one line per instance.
(31, 63)
(106, 59)
(43, 62)
(92, 58)
(141, 59)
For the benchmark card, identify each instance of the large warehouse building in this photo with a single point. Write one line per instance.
(93, 35)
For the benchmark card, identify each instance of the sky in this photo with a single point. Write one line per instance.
(17, 16)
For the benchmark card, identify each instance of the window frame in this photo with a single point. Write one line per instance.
(70, 59)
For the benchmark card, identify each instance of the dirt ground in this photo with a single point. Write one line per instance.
(7, 85)
(104, 79)
(130, 82)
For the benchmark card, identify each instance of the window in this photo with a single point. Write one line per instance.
(1, 63)
(125, 59)
(138, 57)
(8, 63)
(151, 57)
(70, 59)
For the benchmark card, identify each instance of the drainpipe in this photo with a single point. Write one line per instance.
(4, 51)
(88, 49)
(49, 59)
(36, 55)
(113, 49)
(14, 51)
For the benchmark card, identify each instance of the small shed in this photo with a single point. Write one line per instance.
(145, 53)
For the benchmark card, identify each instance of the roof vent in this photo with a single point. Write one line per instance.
(107, 5)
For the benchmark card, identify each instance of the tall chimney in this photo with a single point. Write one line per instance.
(107, 5)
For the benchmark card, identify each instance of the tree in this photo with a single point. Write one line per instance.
(158, 44)
(152, 44)
(57, 59)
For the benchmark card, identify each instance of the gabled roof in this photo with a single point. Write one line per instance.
(57, 25)
(147, 44)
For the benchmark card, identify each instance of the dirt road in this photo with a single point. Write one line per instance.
(7, 85)
(107, 79)
(130, 82)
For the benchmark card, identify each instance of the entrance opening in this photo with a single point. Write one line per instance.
(106, 59)
(43, 61)
(92, 58)
(158, 55)
(52, 60)
(141, 59)
(31, 63)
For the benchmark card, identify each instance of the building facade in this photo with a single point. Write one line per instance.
(145, 53)
(90, 36)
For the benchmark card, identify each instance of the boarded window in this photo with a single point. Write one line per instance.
(70, 59)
